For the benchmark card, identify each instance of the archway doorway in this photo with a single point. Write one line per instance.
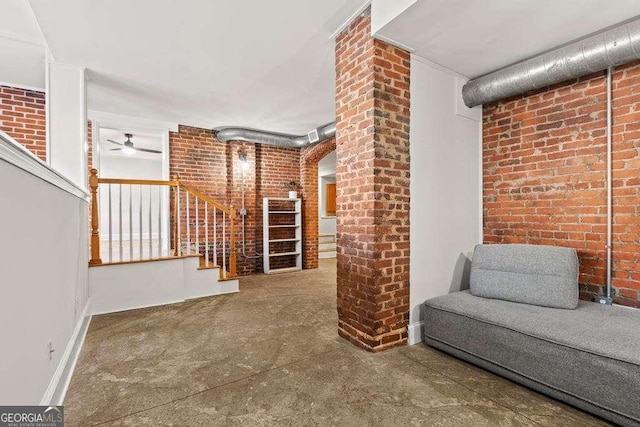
(310, 158)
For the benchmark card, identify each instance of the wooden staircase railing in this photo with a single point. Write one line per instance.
(198, 225)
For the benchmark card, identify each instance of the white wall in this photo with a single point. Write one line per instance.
(67, 121)
(445, 187)
(130, 168)
(43, 282)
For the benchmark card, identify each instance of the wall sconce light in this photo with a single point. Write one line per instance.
(244, 161)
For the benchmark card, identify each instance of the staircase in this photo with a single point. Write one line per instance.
(160, 242)
(326, 245)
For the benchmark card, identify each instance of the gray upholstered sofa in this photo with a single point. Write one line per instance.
(522, 319)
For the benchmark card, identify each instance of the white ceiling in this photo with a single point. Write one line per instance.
(140, 140)
(327, 166)
(210, 63)
(475, 37)
(21, 45)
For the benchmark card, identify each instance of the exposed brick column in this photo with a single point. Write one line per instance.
(309, 158)
(372, 177)
(309, 181)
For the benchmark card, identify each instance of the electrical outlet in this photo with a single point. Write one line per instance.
(51, 349)
(603, 300)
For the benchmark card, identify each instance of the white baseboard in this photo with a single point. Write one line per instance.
(414, 333)
(57, 389)
(98, 312)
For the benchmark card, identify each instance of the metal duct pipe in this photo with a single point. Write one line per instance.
(276, 139)
(610, 48)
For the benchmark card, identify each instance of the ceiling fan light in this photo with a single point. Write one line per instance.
(128, 150)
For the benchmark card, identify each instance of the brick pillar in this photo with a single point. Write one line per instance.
(309, 181)
(372, 178)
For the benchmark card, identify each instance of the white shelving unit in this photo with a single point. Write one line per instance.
(288, 211)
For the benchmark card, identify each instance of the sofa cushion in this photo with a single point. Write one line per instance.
(589, 356)
(531, 274)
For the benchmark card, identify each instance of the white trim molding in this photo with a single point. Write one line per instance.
(14, 153)
(23, 87)
(346, 23)
(57, 389)
(121, 121)
(414, 333)
(21, 38)
(393, 42)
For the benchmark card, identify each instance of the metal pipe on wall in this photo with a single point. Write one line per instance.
(608, 300)
(243, 211)
(616, 46)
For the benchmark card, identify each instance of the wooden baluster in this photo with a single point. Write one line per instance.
(232, 243)
(95, 227)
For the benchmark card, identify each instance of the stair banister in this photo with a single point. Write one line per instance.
(229, 264)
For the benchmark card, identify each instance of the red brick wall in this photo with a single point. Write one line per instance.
(22, 116)
(372, 175)
(544, 162)
(214, 169)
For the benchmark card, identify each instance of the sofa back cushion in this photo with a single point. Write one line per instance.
(539, 275)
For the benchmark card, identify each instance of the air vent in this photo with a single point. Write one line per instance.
(313, 136)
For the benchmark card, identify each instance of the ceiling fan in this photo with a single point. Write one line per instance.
(128, 148)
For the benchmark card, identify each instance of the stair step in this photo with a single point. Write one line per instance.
(326, 250)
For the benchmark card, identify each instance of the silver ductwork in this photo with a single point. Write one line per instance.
(610, 48)
(274, 138)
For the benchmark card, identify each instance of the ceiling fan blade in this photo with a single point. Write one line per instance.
(116, 149)
(147, 150)
(113, 142)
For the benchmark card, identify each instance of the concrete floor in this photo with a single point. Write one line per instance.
(270, 355)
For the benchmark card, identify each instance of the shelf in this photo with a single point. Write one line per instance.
(288, 218)
(285, 254)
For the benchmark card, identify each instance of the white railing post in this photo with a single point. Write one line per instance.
(197, 226)
(188, 225)
(160, 221)
(120, 219)
(178, 227)
(130, 223)
(110, 229)
(140, 246)
(215, 236)
(224, 244)
(206, 234)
